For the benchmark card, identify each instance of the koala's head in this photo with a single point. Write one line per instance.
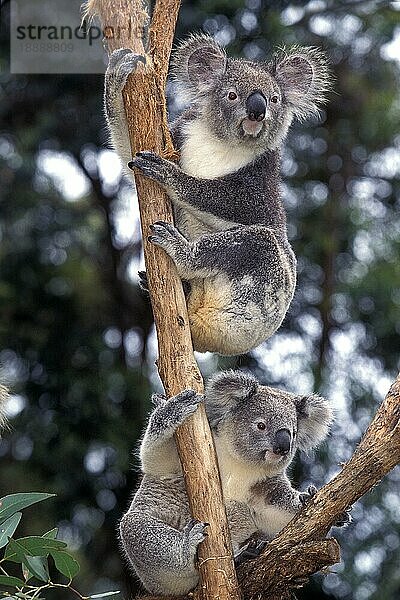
(262, 425)
(245, 101)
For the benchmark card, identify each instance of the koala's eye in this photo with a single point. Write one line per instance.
(261, 426)
(232, 95)
(275, 99)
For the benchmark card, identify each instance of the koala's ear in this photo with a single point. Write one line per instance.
(225, 389)
(198, 62)
(304, 78)
(314, 415)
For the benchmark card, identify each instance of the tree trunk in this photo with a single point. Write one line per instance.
(123, 22)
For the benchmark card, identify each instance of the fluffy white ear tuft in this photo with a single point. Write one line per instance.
(198, 63)
(225, 389)
(304, 77)
(314, 418)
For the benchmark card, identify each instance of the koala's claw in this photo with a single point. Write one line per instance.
(304, 497)
(250, 550)
(121, 64)
(166, 236)
(344, 518)
(195, 531)
(143, 281)
(154, 167)
(177, 409)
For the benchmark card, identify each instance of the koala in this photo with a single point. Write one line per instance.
(257, 430)
(230, 242)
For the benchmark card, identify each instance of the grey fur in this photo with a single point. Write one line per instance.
(158, 536)
(230, 241)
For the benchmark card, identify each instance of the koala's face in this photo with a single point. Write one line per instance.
(261, 425)
(249, 102)
(263, 430)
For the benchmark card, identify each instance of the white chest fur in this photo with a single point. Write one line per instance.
(271, 519)
(203, 155)
(237, 477)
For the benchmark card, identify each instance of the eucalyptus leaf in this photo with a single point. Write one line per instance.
(52, 534)
(13, 503)
(14, 552)
(38, 567)
(11, 581)
(8, 528)
(34, 546)
(66, 564)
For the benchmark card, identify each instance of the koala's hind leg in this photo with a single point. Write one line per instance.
(163, 557)
(231, 250)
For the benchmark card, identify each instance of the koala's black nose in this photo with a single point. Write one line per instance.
(256, 106)
(282, 441)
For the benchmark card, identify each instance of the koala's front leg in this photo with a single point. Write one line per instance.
(158, 452)
(163, 557)
(121, 64)
(204, 197)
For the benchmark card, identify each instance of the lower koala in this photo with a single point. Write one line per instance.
(257, 431)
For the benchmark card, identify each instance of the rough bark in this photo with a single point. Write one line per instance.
(147, 122)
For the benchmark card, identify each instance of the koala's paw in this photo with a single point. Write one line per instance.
(177, 409)
(161, 170)
(185, 403)
(251, 550)
(168, 237)
(195, 533)
(122, 63)
(304, 497)
(344, 518)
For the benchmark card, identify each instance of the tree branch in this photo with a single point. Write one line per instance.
(145, 106)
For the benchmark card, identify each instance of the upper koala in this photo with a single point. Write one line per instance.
(230, 243)
(257, 430)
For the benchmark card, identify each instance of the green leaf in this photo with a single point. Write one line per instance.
(14, 552)
(13, 503)
(66, 564)
(8, 527)
(52, 534)
(105, 595)
(11, 581)
(34, 546)
(38, 567)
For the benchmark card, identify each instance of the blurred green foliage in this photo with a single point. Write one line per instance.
(76, 338)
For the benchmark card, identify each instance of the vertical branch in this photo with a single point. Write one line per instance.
(145, 107)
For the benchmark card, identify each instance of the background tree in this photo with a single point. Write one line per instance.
(76, 342)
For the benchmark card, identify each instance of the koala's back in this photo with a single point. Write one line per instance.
(164, 499)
